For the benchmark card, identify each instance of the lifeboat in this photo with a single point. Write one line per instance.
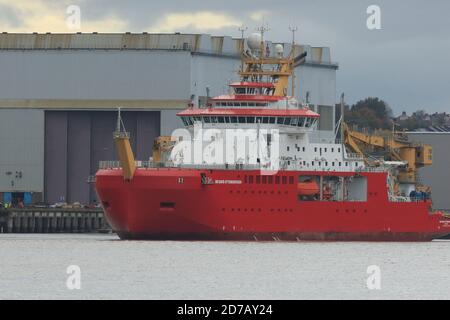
(308, 188)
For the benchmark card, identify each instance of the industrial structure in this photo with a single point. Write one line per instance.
(436, 176)
(59, 93)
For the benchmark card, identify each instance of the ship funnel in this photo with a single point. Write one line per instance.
(125, 153)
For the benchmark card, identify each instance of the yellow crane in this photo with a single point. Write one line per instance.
(396, 146)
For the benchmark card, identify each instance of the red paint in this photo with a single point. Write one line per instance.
(257, 112)
(248, 97)
(139, 209)
(253, 84)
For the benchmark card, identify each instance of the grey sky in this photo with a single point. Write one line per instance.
(404, 63)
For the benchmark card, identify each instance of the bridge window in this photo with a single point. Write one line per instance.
(207, 119)
(221, 119)
(272, 120)
(241, 119)
(250, 119)
(265, 120)
(280, 120)
(233, 119)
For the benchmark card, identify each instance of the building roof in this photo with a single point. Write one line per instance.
(194, 43)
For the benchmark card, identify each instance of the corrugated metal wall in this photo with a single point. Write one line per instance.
(75, 142)
(21, 150)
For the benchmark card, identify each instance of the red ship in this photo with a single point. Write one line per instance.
(260, 177)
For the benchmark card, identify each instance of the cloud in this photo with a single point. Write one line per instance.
(199, 21)
(44, 16)
(259, 15)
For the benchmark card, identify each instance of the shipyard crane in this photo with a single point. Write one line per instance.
(393, 147)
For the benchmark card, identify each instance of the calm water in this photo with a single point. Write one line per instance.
(34, 266)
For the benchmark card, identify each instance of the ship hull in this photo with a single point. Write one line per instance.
(179, 204)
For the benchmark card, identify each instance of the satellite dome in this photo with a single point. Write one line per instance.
(254, 41)
(279, 49)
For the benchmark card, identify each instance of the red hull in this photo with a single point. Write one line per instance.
(173, 204)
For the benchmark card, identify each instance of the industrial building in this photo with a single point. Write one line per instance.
(59, 93)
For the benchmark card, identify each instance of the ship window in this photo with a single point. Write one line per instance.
(220, 120)
(287, 121)
(258, 179)
(245, 179)
(320, 163)
(303, 149)
(315, 149)
(325, 149)
(340, 164)
(277, 179)
(332, 163)
(264, 179)
(184, 121)
(227, 119)
(243, 104)
(250, 179)
(346, 164)
(312, 163)
(326, 163)
(250, 119)
(283, 179)
(189, 121)
(332, 149)
(307, 122)
(339, 149)
(265, 120)
(240, 90)
(233, 119)
(287, 148)
(291, 180)
(241, 119)
(213, 119)
(280, 120)
(270, 179)
(272, 120)
(207, 119)
(301, 122)
(294, 121)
